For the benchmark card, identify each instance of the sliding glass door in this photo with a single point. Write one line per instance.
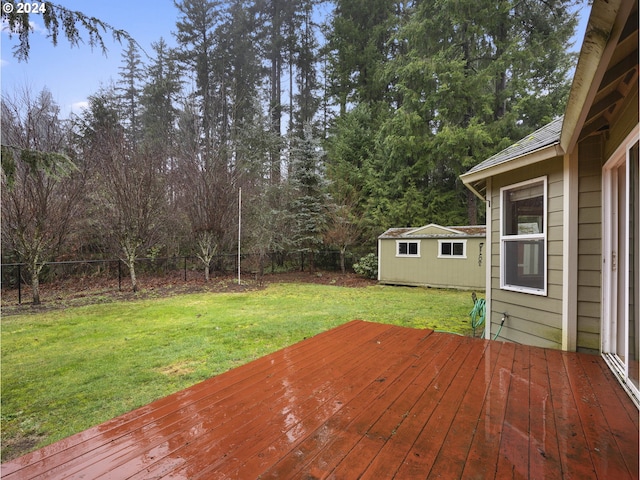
(621, 264)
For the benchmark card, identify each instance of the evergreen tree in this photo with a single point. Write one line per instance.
(159, 97)
(129, 89)
(310, 195)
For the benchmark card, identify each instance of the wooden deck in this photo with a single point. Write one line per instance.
(371, 401)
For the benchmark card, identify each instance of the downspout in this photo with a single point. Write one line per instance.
(488, 261)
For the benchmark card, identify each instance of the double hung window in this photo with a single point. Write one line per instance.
(523, 227)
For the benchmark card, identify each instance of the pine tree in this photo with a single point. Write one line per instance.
(310, 195)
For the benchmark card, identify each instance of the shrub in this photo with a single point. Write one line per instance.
(367, 266)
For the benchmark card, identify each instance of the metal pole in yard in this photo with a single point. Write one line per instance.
(19, 285)
(239, 227)
(185, 268)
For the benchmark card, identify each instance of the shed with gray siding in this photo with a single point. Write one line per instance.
(433, 256)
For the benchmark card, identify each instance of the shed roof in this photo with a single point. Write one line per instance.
(445, 232)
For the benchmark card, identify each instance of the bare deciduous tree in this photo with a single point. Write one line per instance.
(41, 187)
(342, 231)
(127, 186)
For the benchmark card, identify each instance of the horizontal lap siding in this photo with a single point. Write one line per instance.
(532, 319)
(429, 270)
(589, 244)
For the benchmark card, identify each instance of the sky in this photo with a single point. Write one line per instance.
(72, 74)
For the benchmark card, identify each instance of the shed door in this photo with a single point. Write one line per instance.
(621, 265)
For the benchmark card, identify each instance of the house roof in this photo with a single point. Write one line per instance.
(436, 231)
(543, 137)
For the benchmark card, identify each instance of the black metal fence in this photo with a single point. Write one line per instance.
(15, 275)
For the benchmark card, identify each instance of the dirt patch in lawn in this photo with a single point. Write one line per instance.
(92, 290)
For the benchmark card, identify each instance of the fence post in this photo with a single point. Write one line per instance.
(119, 276)
(185, 268)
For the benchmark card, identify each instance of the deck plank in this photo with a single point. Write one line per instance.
(620, 412)
(329, 443)
(575, 459)
(370, 401)
(483, 454)
(452, 457)
(423, 453)
(391, 359)
(275, 410)
(513, 458)
(544, 456)
(369, 438)
(605, 453)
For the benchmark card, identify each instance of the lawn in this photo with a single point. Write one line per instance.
(66, 370)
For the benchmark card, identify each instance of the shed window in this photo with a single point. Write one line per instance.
(523, 237)
(452, 249)
(408, 249)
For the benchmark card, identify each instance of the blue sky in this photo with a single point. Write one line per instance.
(72, 74)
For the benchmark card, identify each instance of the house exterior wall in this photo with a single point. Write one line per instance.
(594, 152)
(589, 243)
(531, 319)
(429, 270)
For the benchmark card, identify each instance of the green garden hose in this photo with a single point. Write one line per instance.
(478, 314)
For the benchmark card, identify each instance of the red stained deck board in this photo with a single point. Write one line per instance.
(604, 450)
(371, 401)
(513, 457)
(483, 453)
(452, 457)
(575, 458)
(544, 457)
(332, 440)
(242, 416)
(290, 422)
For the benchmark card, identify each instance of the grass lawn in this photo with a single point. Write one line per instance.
(64, 371)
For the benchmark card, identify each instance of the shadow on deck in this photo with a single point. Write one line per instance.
(371, 401)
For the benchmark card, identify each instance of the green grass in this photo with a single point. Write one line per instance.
(67, 370)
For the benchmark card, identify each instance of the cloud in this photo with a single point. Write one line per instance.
(79, 106)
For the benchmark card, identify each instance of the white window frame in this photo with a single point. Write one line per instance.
(452, 255)
(505, 239)
(398, 254)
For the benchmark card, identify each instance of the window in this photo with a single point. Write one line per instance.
(452, 249)
(407, 249)
(523, 259)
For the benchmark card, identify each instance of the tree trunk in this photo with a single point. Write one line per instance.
(342, 267)
(132, 273)
(472, 208)
(206, 271)
(35, 284)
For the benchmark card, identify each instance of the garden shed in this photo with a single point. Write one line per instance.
(433, 256)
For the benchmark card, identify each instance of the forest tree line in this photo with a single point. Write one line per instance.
(337, 120)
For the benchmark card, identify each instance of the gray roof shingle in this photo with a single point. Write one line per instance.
(541, 138)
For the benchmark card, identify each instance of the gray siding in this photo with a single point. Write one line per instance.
(593, 154)
(589, 243)
(532, 319)
(429, 270)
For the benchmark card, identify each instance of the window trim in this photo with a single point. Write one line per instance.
(407, 255)
(505, 239)
(452, 255)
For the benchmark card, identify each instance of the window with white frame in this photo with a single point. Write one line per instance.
(523, 237)
(407, 248)
(452, 249)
